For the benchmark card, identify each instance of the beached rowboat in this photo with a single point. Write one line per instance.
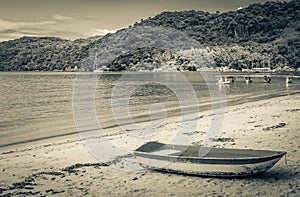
(218, 162)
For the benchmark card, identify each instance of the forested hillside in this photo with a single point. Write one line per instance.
(44, 54)
(257, 36)
(257, 23)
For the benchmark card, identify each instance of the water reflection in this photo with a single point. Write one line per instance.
(287, 88)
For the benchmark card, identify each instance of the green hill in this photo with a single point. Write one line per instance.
(43, 54)
(257, 36)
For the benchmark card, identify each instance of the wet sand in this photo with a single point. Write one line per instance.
(63, 166)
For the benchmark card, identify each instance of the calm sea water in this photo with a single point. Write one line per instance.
(39, 105)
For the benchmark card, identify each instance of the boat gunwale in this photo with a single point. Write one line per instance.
(210, 160)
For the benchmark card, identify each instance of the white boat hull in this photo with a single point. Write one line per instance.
(211, 162)
(213, 170)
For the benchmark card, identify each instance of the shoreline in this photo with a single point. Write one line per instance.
(235, 72)
(64, 166)
(75, 133)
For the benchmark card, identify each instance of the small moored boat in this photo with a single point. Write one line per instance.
(221, 81)
(267, 79)
(217, 162)
(248, 79)
(288, 80)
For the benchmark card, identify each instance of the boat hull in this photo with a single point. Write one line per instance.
(173, 160)
(213, 170)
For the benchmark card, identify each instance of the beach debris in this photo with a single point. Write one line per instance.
(73, 168)
(293, 110)
(8, 152)
(225, 139)
(30, 193)
(29, 183)
(54, 191)
(280, 125)
(194, 133)
(49, 173)
(276, 116)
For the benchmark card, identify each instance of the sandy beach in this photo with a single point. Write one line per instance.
(63, 166)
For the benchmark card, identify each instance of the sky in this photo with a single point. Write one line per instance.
(72, 19)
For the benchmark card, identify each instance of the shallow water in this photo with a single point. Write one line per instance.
(37, 105)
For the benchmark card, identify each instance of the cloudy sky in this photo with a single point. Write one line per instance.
(73, 19)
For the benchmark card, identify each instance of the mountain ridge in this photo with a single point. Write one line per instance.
(256, 36)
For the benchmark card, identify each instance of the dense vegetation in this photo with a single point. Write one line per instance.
(43, 54)
(257, 23)
(251, 37)
(257, 36)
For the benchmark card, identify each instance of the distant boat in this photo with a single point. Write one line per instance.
(267, 79)
(221, 81)
(248, 79)
(218, 162)
(264, 69)
(288, 80)
(226, 82)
